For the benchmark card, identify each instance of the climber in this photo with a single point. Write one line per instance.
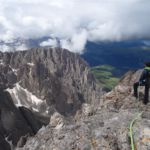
(143, 81)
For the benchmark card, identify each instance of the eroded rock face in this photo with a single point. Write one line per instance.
(36, 84)
(57, 76)
(106, 128)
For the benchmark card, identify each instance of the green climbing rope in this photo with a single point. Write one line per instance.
(131, 130)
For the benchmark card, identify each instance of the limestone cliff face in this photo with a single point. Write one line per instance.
(104, 128)
(56, 76)
(36, 83)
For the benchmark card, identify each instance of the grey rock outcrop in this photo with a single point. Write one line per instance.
(105, 129)
(55, 75)
(38, 83)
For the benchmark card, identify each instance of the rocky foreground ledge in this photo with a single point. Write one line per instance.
(105, 127)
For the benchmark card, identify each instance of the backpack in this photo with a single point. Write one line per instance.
(147, 74)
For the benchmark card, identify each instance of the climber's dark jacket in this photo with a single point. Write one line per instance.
(145, 76)
(143, 81)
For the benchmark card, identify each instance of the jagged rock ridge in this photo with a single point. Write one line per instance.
(107, 128)
(36, 83)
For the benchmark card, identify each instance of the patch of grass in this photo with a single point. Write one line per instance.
(111, 82)
(105, 74)
(104, 67)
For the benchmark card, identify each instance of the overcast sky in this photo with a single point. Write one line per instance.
(74, 22)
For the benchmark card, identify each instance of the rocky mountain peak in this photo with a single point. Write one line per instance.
(52, 75)
(103, 127)
(37, 83)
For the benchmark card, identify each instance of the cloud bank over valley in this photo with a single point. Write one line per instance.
(71, 23)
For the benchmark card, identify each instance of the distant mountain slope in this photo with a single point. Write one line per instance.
(123, 56)
(106, 75)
